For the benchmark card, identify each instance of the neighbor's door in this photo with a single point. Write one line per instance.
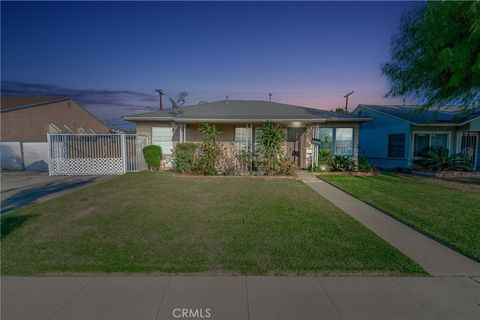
(296, 145)
(468, 146)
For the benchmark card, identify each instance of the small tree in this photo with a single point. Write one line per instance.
(209, 150)
(435, 55)
(153, 156)
(325, 156)
(271, 138)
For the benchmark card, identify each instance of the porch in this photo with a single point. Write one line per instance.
(302, 140)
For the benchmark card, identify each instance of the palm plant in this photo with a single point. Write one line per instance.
(209, 150)
(271, 139)
(438, 159)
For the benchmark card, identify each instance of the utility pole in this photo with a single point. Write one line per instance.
(346, 100)
(160, 94)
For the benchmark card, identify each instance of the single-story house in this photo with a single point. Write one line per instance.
(239, 122)
(25, 122)
(397, 135)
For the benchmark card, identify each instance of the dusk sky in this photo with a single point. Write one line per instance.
(304, 53)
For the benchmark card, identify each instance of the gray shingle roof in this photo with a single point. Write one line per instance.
(436, 115)
(245, 110)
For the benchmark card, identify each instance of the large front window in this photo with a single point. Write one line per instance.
(243, 139)
(163, 137)
(425, 141)
(338, 140)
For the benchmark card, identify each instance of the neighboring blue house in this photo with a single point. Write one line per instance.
(397, 134)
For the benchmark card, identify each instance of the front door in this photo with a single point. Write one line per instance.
(296, 145)
(468, 146)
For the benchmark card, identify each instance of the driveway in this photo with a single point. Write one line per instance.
(21, 188)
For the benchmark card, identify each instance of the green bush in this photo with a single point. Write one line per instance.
(343, 163)
(210, 150)
(325, 158)
(437, 159)
(363, 164)
(185, 157)
(153, 156)
(271, 138)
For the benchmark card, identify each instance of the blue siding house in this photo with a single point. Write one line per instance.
(398, 134)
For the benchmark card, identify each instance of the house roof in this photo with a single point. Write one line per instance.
(13, 103)
(244, 111)
(434, 116)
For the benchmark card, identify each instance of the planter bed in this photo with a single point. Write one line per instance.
(446, 174)
(354, 173)
(295, 177)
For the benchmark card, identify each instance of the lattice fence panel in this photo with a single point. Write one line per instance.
(92, 154)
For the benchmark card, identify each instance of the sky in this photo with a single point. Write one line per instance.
(308, 53)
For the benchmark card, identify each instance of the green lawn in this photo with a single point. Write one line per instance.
(447, 210)
(160, 222)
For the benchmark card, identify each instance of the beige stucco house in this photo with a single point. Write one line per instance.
(239, 122)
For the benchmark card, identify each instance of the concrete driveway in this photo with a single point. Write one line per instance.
(21, 188)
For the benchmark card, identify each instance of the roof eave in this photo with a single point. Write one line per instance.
(25, 106)
(210, 120)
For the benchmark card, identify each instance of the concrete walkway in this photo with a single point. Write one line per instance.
(239, 297)
(435, 258)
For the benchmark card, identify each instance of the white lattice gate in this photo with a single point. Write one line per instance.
(92, 154)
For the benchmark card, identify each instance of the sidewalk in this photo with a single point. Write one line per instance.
(435, 258)
(239, 297)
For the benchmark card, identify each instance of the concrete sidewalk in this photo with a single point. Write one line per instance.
(435, 258)
(239, 297)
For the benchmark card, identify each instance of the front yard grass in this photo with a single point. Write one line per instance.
(446, 210)
(164, 223)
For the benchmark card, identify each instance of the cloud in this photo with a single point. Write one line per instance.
(107, 105)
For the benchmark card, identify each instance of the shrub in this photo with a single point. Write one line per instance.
(343, 163)
(325, 156)
(437, 159)
(271, 139)
(286, 167)
(185, 157)
(363, 164)
(228, 161)
(153, 156)
(209, 151)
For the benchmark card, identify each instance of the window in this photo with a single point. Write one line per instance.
(325, 135)
(339, 140)
(424, 141)
(396, 145)
(163, 137)
(343, 142)
(243, 140)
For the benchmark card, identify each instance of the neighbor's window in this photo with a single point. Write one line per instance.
(243, 139)
(163, 137)
(339, 140)
(424, 141)
(396, 145)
